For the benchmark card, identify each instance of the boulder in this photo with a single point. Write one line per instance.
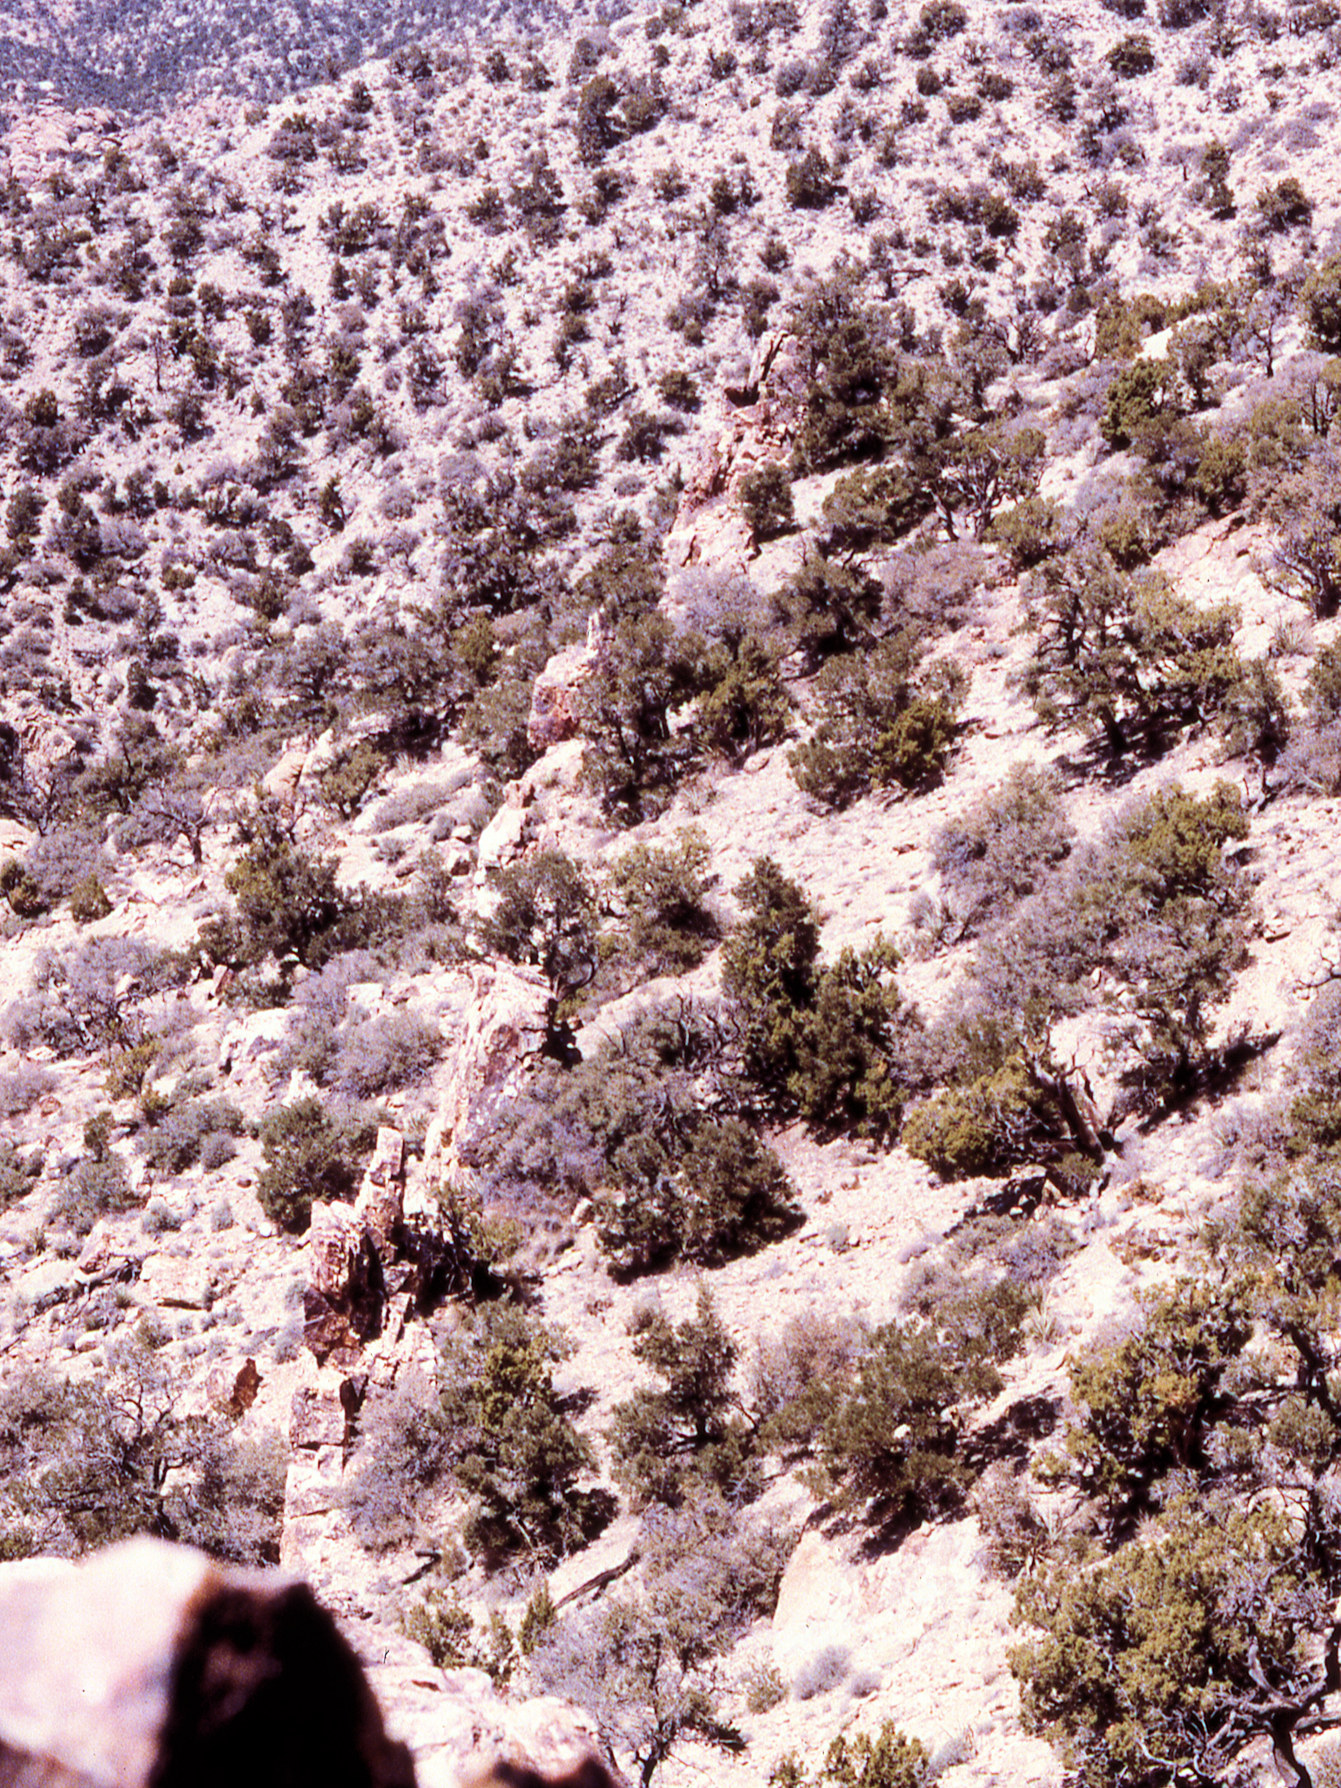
(556, 708)
(150, 1664)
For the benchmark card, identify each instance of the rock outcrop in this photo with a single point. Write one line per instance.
(506, 1028)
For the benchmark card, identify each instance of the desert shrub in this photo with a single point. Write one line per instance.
(309, 1155)
(877, 724)
(1140, 1672)
(174, 1134)
(705, 1192)
(90, 997)
(1149, 1401)
(1320, 305)
(82, 1464)
(1157, 906)
(545, 914)
(766, 502)
(669, 927)
(1002, 846)
(672, 1442)
(829, 1042)
(1307, 509)
(1131, 55)
(1158, 911)
(642, 1661)
(817, 1675)
(1126, 656)
(745, 705)
(492, 1425)
(385, 1054)
(795, 1377)
(892, 1441)
(629, 703)
(22, 1087)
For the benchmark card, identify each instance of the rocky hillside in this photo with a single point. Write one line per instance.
(670, 744)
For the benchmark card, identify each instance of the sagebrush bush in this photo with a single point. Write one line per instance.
(1003, 846)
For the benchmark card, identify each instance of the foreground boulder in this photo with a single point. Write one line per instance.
(150, 1664)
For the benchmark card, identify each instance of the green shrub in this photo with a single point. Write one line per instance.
(1027, 532)
(545, 914)
(766, 502)
(88, 900)
(829, 606)
(514, 1453)
(745, 705)
(309, 1156)
(888, 1759)
(827, 1042)
(1320, 305)
(669, 1444)
(1131, 56)
(636, 754)
(892, 1441)
(1139, 397)
(1149, 1401)
(669, 928)
(445, 1627)
(876, 726)
(850, 365)
(18, 1173)
(810, 182)
(707, 1196)
(1140, 1671)
(288, 903)
(1128, 657)
(1283, 205)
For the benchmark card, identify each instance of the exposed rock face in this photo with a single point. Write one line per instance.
(342, 1304)
(555, 699)
(380, 1205)
(709, 529)
(150, 1664)
(506, 1027)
